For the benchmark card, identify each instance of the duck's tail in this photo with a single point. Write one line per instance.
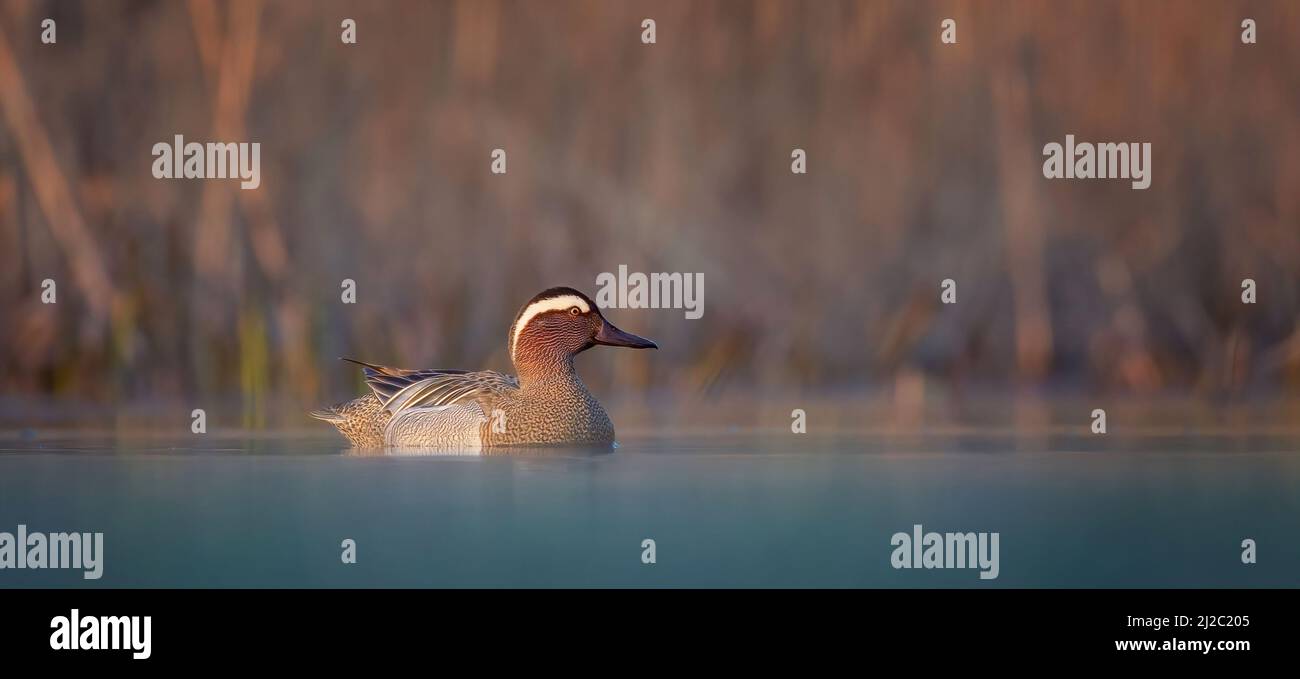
(338, 413)
(360, 420)
(329, 414)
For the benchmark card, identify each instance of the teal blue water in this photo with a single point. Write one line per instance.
(748, 510)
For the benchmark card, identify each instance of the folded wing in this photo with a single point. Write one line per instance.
(400, 390)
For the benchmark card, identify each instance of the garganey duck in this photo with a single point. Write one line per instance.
(461, 410)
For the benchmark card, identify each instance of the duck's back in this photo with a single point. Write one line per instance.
(419, 407)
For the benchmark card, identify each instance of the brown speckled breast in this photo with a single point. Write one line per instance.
(550, 416)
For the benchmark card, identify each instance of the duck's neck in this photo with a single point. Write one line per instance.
(549, 372)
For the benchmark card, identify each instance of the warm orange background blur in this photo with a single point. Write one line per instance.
(924, 163)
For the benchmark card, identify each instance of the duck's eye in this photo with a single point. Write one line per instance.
(574, 311)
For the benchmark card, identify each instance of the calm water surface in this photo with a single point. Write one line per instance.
(724, 509)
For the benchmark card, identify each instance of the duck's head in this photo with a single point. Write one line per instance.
(560, 323)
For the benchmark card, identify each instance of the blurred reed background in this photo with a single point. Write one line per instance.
(924, 164)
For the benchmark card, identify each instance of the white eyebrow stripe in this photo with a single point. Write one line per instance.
(541, 306)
